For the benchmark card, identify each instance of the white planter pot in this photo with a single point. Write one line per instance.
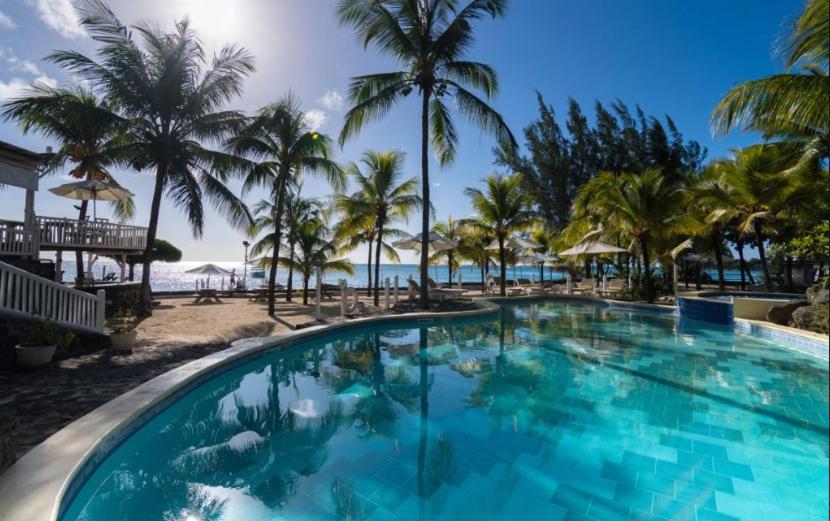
(34, 356)
(123, 342)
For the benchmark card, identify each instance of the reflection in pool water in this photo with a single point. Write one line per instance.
(550, 411)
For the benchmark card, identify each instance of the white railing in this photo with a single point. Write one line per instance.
(15, 240)
(91, 235)
(26, 295)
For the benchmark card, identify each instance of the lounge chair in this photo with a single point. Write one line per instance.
(612, 289)
(452, 293)
(490, 286)
(436, 294)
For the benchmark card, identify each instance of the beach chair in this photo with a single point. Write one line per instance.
(612, 289)
(414, 290)
(449, 293)
(490, 286)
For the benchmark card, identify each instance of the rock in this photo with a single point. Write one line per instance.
(8, 447)
(781, 314)
(817, 295)
(812, 318)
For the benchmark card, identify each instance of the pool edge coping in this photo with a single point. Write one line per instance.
(35, 486)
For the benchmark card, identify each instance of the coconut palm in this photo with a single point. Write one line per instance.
(298, 210)
(280, 147)
(704, 196)
(429, 39)
(86, 128)
(792, 105)
(474, 247)
(356, 228)
(315, 248)
(382, 195)
(452, 230)
(758, 194)
(172, 105)
(502, 209)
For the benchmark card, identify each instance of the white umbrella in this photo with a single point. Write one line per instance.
(94, 190)
(591, 248)
(435, 243)
(209, 269)
(515, 243)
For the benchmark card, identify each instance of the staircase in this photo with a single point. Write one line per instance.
(26, 295)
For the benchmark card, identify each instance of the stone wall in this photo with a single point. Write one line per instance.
(119, 297)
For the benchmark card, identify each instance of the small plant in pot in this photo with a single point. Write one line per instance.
(41, 340)
(122, 331)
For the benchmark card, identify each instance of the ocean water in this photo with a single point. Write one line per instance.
(174, 276)
(551, 411)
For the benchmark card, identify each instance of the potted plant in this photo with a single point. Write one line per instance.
(42, 339)
(122, 331)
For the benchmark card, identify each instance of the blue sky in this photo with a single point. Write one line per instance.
(671, 57)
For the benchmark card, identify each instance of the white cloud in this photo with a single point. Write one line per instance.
(315, 119)
(61, 16)
(5, 21)
(31, 68)
(15, 87)
(436, 185)
(332, 100)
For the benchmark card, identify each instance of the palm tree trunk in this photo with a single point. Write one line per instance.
(719, 259)
(79, 255)
(377, 259)
(155, 207)
(275, 254)
(759, 238)
(503, 262)
(289, 286)
(305, 289)
(369, 270)
(425, 196)
(449, 267)
(481, 267)
(789, 271)
(739, 245)
(648, 283)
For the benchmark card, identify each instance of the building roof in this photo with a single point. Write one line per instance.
(18, 166)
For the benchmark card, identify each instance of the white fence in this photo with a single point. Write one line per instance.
(26, 295)
(92, 235)
(16, 241)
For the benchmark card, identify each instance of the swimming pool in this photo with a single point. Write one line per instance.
(551, 411)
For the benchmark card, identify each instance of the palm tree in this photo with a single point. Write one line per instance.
(315, 248)
(646, 207)
(758, 194)
(280, 147)
(474, 247)
(452, 230)
(430, 39)
(791, 105)
(171, 106)
(707, 193)
(298, 210)
(502, 209)
(382, 195)
(86, 128)
(355, 228)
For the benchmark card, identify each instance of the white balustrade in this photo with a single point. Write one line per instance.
(99, 234)
(26, 295)
(16, 240)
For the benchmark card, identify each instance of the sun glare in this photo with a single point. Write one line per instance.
(214, 19)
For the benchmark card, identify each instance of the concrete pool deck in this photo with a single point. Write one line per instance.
(36, 487)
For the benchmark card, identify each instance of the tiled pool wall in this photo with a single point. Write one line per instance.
(717, 311)
(813, 346)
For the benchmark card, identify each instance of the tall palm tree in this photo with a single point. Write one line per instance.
(298, 210)
(647, 207)
(171, 104)
(792, 105)
(707, 193)
(355, 228)
(383, 195)
(474, 247)
(315, 247)
(86, 128)
(429, 38)
(758, 195)
(454, 231)
(502, 209)
(280, 147)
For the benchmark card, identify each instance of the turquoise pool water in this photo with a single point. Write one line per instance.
(550, 411)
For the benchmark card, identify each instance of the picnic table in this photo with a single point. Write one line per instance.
(207, 295)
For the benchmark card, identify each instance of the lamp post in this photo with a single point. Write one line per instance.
(245, 267)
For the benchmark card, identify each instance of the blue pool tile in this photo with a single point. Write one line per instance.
(695, 494)
(655, 483)
(676, 442)
(608, 510)
(673, 509)
(735, 470)
(571, 499)
(705, 514)
(709, 449)
(634, 497)
(617, 472)
(717, 481)
(638, 461)
(695, 461)
(673, 471)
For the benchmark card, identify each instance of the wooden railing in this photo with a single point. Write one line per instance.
(15, 240)
(56, 232)
(29, 296)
